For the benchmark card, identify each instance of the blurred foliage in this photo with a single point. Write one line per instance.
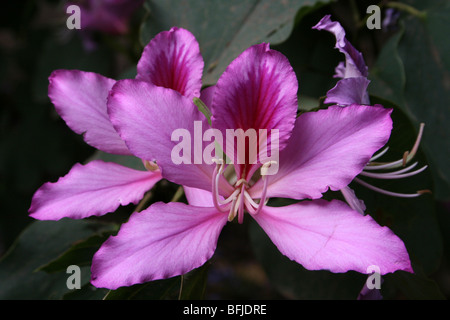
(409, 69)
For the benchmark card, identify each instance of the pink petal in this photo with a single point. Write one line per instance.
(329, 235)
(160, 242)
(198, 197)
(349, 91)
(91, 190)
(172, 60)
(258, 90)
(354, 61)
(146, 116)
(207, 95)
(80, 99)
(327, 149)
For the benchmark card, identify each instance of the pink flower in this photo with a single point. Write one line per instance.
(318, 151)
(172, 59)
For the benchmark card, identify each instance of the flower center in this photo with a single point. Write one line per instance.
(240, 199)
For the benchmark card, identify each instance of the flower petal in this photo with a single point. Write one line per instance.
(80, 99)
(349, 91)
(258, 90)
(327, 149)
(91, 190)
(172, 60)
(354, 61)
(163, 241)
(329, 235)
(198, 197)
(147, 117)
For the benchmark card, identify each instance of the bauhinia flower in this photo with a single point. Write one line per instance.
(172, 59)
(352, 89)
(318, 151)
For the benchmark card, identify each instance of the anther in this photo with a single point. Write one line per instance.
(150, 165)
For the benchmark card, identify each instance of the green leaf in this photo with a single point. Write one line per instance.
(410, 286)
(193, 287)
(79, 254)
(70, 54)
(413, 71)
(87, 292)
(126, 161)
(194, 283)
(153, 290)
(224, 28)
(39, 243)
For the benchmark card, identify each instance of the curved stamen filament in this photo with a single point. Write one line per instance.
(392, 175)
(407, 156)
(375, 157)
(380, 166)
(252, 203)
(215, 185)
(389, 193)
(264, 169)
(241, 205)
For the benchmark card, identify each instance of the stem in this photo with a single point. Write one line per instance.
(407, 8)
(178, 194)
(143, 202)
(181, 287)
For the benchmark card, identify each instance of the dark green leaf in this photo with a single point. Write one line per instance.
(193, 287)
(71, 54)
(41, 242)
(411, 286)
(224, 28)
(79, 254)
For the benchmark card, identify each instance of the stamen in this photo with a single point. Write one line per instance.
(392, 175)
(375, 157)
(265, 179)
(414, 149)
(241, 181)
(247, 196)
(384, 165)
(407, 156)
(215, 185)
(232, 213)
(150, 165)
(241, 205)
(389, 193)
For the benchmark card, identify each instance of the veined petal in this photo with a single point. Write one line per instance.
(349, 91)
(258, 90)
(327, 149)
(93, 189)
(163, 241)
(354, 61)
(80, 99)
(153, 121)
(329, 235)
(207, 96)
(172, 60)
(198, 197)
